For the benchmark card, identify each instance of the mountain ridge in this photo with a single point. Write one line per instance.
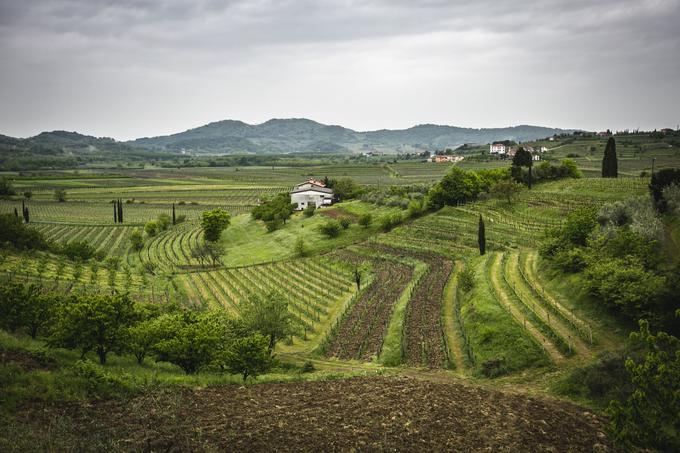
(282, 135)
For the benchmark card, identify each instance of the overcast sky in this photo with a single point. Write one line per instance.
(132, 68)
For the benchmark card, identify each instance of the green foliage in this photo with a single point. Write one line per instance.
(269, 316)
(6, 188)
(60, 195)
(275, 211)
(660, 180)
(151, 228)
(137, 240)
(345, 222)
(214, 222)
(458, 186)
(330, 228)
(21, 237)
(93, 322)
(76, 250)
(508, 189)
(300, 250)
(247, 356)
(466, 279)
(310, 209)
(671, 194)
(189, 339)
(164, 221)
(16, 301)
(365, 220)
(637, 213)
(648, 418)
(610, 165)
(345, 188)
(625, 284)
(389, 221)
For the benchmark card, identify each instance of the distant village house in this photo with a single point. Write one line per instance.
(439, 158)
(311, 192)
(497, 148)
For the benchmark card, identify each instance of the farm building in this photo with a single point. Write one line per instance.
(311, 192)
(497, 148)
(441, 158)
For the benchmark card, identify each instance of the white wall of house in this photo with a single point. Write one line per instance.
(304, 199)
(497, 148)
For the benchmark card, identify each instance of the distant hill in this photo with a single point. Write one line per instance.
(303, 135)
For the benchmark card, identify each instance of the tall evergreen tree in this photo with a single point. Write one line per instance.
(481, 236)
(522, 158)
(174, 220)
(120, 210)
(115, 211)
(16, 213)
(610, 164)
(27, 215)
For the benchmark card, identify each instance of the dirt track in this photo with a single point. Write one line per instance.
(364, 414)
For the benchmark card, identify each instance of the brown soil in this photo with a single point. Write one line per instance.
(361, 331)
(337, 214)
(25, 360)
(360, 414)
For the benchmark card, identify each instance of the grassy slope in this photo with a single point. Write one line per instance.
(247, 241)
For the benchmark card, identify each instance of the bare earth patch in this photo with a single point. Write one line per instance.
(360, 414)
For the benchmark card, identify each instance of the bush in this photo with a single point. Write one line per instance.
(330, 229)
(77, 250)
(163, 222)
(345, 223)
(137, 240)
(60, 195)
(466, 279)
(151, 228)
(365, 220)
(20, 236)
(309, 210)
(389, 221)
(300, 249)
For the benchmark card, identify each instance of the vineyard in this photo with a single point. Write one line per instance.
(410, 309)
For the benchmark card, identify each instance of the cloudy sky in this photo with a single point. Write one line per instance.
(132, 68)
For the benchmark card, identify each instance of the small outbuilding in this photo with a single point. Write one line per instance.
(311, 192)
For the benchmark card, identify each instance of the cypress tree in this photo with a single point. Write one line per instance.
(115, 211)
(174, 221)
(16, 213)
(120, 210)
(27, 215)
(481, 236)
(610, 164)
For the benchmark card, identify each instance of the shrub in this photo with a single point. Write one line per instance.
(77, 250)
(365, 220)
(151, 228)
(213, 222)
(345, 223)
(389, 221)
(163, 222)
(309, 210)
(330, 229)
(22, 237)
(466, 279)
(60, 195)
(137, 240)
(300, 249)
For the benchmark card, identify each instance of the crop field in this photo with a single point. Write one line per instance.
(409, 310)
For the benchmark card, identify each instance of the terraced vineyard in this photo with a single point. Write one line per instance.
(109, 240)
(360, 333)
(314, 288)
(101, 213)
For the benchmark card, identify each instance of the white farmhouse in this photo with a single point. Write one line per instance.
(311, 192)
(497, 148)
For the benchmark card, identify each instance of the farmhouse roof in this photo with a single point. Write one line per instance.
(313, 189)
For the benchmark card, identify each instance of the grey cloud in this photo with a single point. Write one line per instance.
(65, 52)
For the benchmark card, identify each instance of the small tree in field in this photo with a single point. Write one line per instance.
(300, 249)
(268, 315)
(60, 195)
(213, 222)
(610, 165)
(481, 236)
(93, 323)
(365, 220)
(248, 356)
(522, 158)
(507, 188)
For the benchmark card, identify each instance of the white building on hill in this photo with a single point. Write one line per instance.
(311, 192)
(497, 148)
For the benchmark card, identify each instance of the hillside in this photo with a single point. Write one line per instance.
(303, 135)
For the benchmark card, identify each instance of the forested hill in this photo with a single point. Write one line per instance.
(303, 135)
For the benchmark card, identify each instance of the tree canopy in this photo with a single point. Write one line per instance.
(214, 222)
(610, 165)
